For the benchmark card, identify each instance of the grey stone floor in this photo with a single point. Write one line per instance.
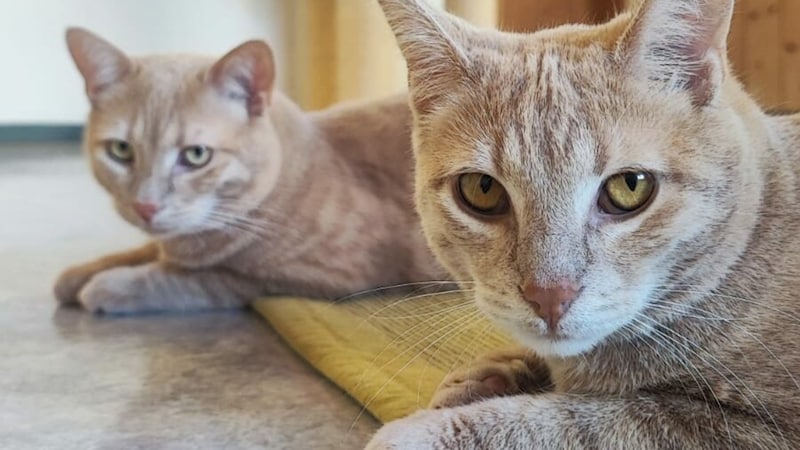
(70, 380)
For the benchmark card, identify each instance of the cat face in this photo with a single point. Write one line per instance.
(569, 175)
(173, 139)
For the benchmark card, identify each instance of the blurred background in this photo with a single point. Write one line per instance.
(327, 50)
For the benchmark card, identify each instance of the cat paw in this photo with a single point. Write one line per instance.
(70, 283)
(498, 374)
(115, 291)
(423, 430)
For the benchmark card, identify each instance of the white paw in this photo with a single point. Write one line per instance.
(70, 282)
(424, 430)
(115, 291)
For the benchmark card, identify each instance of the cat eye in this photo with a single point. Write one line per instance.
(482, 194)
(119, 151)
(627, 193)
(195, 156)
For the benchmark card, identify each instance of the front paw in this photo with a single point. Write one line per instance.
(498, 374)
(70, 283)
(424, 430)
(115, 291)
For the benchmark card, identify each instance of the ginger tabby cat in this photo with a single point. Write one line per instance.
(242, 192)
(621, 205)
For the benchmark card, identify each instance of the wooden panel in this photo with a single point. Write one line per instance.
(342, 50)
(765, 51)
(369, 63)
(790, 58)
(482, 13)
(313, 52)
(530, 15)
(764, 41)
(757, 35)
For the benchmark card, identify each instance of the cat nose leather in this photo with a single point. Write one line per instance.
(146, 210)
(550, 303)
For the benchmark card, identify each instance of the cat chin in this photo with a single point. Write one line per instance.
(165, 235)
(562, 348)
(547, 346)
(163, 230)
(550, 347)
(174, 233)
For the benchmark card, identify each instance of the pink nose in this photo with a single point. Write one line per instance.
(550, 303)
(146, 210)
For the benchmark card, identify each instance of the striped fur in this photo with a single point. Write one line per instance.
(315, 204)
(685, 332)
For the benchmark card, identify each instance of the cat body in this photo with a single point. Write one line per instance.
(243, 193)
(620, 205)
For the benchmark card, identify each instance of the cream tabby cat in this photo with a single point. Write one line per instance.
(628, 212)
(243, 193)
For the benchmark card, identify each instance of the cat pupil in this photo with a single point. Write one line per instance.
(486, 183)
(632, 180)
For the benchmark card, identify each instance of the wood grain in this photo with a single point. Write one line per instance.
(531, 15)
(313, 53)
(342, 49)
(790, 49)
(369, 63)
(482, 13)
(764, 40)
(758, 34)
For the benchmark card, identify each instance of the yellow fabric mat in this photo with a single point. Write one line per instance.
(388, 353)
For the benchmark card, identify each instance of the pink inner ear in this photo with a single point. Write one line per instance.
(706, 53)
(679, 44)
(250, 67)
(100, 63)
(256, 104)
(260, 88)
(704, 79)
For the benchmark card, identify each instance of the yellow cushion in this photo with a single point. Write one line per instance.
(388, 353)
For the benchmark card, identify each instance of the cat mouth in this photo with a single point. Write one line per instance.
(151, 228)
(157, 230)
(554, 336)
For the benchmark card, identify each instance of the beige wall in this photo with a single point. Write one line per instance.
(38, 82)
(327, 50)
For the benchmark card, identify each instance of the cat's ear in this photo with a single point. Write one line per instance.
(100, 63)
(681, 43)
(247, 73)
(432, 44)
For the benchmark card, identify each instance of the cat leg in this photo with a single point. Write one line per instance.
(563, 421)
(160, 287)
(499, 373)
(72, 280)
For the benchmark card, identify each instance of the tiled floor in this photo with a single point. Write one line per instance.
(70, 380)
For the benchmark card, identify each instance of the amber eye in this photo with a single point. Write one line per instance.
(627, 192)
(195, 156)
(482, 194)
(119, 151)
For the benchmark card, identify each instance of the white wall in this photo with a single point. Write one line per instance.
(40, 85)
